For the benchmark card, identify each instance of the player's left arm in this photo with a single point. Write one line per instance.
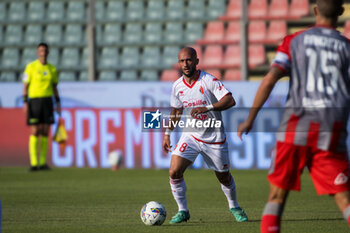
(224, 103)
(58, 100)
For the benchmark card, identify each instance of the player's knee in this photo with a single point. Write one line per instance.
(224, 178)
(175, 173)
(278, 195)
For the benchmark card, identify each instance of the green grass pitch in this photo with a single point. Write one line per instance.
(100, 200)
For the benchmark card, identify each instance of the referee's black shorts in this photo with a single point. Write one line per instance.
(40, 111)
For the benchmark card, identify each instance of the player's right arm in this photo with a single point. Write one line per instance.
(25, 98)
(261, 96)
(26, 82)
(175, 116)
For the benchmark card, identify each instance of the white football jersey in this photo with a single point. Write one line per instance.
(205, 90)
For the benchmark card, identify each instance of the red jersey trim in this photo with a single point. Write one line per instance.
(209, 142)
(279, 67)
(188, 85)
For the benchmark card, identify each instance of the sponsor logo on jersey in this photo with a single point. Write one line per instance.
(25, 77)
(181, 93)
(194, 103)
(201, 90)
(340, 179)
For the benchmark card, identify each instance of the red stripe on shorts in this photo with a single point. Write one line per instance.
(312, 136)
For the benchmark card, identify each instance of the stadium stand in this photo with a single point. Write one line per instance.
(140, 39)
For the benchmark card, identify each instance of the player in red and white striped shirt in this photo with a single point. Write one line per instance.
(312, 132)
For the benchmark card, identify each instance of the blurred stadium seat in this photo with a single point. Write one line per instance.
(195, 9)
(173, 32)
(2, 11)
(99, 10)
(232, 75)
(257, 31)
(70, 58)
(215, 72)
(216, 8)
(169, 56)
(8, 77)
(73, 34)
(299, 8)
(277, 31)
(214, 33)
(153, 33)
(128, 75)
(129, 57)
(155, 9)
(193, 31)
(175, 9)
(36, 11)
(54, 56)
(10, 58)
(109, 58)
(232, 33)
(76, 11)
(33, 34)
(232, 56)
(135, 10)
(67, 76)
(278, 9)
(112, 33)
(133, 33)
(55, 11)
(13, 34)
(150, 56)
(28, 55)
(233, 10)
(17, 11)
(257, 9)
(53, 34)
(115, 10)
(212, 56)
(169, 75)
(256, 54)
(149, 75)
(107, 76)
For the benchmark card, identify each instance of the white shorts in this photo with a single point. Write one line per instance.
(215, 155)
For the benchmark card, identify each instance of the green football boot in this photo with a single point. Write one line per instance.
(181, 216)
(239, 214)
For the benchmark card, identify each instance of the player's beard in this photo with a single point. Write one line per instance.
(189, 73)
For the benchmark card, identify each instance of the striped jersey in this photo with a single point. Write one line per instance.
(318, 101)
(205, 90)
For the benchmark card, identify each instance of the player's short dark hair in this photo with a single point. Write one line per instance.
(43, 44)
(192, 51)
(330, 8)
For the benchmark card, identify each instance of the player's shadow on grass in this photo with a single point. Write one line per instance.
(193, 223)
(312, 219)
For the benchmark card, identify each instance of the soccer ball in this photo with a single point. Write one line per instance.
(153, 213)
(115, 159)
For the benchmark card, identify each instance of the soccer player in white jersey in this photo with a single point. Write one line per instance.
(201, 97)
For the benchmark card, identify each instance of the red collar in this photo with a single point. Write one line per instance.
(188, 85)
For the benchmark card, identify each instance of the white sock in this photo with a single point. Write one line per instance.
(178, 189)
(230, 193)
